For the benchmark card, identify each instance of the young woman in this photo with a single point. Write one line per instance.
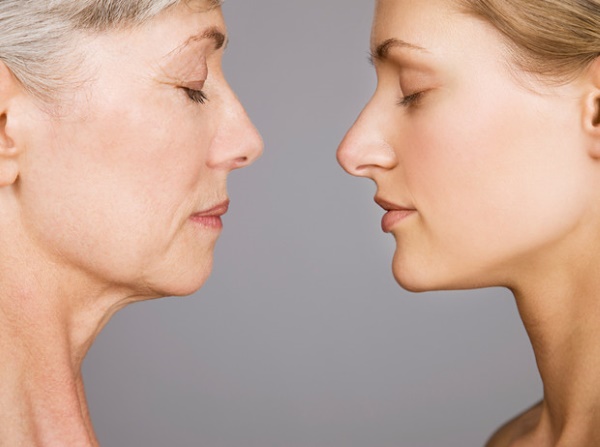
(483, 137)
(117, 133)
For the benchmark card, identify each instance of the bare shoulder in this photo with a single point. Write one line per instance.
(516, 428)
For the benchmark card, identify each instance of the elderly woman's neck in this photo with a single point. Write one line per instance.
(562, 319)
(44, 337)
(42, 402)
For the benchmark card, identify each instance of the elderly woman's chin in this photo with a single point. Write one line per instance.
(183, 282)
(180, 276)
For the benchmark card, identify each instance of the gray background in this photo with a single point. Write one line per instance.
(301, 337)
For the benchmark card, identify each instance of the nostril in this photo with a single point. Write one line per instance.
(240, 162)
(361, 169)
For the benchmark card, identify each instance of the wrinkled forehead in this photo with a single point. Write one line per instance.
(187, 32)
(203, 5)
(191, 22)
(199, 24)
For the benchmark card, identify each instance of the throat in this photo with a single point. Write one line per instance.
(42, 400)
(564, 329)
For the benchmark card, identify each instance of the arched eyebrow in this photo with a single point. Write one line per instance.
(381, 51)
(212, 33)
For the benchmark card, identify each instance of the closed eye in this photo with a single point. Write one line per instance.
(410, 100)
(197, 96)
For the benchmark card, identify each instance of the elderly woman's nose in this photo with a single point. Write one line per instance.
(238, 143)
(365, 148)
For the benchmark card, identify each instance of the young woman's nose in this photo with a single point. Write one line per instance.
(365, 149)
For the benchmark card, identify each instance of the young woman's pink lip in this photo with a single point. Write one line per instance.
(392, 217)
(395, 213)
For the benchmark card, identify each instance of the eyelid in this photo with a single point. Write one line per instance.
(194, 85)
(414, 85)
(412, 99)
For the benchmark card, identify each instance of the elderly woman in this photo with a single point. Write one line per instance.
(483, 137)
(117, 132)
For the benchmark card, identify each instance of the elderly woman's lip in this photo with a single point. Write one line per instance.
(217, 210)
(211, 218)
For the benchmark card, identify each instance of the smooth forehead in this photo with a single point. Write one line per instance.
(434, 26)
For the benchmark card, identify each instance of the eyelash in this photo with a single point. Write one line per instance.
(410, 100)
(197, 96)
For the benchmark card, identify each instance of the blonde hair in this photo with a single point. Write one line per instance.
(556, 39)
(37, 37)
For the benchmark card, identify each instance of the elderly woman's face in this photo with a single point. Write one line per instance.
(128, 183)
(469, 156)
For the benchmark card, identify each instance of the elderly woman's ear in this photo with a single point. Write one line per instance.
(9, 150)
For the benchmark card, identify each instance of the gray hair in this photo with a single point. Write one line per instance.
(37, 36)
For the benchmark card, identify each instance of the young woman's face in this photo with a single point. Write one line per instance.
(483, 166)
(128, 183)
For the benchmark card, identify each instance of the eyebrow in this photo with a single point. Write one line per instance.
(212, 33)
(381, 51)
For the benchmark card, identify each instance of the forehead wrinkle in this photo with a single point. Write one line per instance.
(205, 5)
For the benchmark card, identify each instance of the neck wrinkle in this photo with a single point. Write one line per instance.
(41, 398)
(45, 333)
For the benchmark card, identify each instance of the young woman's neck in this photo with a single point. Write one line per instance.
(562, 319)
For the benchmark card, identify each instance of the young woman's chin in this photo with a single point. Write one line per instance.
(413, 275)
(420, 274)
(417, 280)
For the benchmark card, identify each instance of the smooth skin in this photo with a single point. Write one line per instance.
(97, 198)
(502, 170)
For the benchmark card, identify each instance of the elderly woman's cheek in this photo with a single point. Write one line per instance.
(116, 215)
